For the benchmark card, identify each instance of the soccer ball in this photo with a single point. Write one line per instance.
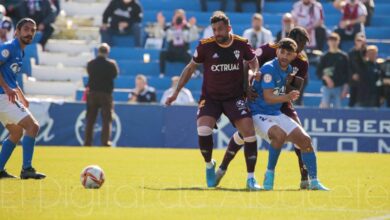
(92, 177)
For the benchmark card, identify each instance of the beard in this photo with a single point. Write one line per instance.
(222, 40)
(26, 40)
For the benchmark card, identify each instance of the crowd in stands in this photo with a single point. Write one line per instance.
(356, 73)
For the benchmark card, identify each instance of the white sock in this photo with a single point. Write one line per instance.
(251, 175)
(209, 165)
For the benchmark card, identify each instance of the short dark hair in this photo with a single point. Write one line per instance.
(288, 44)
(23, 21)
(220, 17)
(298, 33)
(104, 49)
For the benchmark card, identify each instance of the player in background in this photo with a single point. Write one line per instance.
(223, 57)
(300, 66)
(14, 113)
(270, 123)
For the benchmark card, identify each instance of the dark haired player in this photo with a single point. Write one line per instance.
(300, 66)
(14, 113)
(270, 123)
(223, 57)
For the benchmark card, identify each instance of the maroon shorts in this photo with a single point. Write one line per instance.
(234, 109)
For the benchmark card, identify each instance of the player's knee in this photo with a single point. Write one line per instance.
(238, 139)
(204, 131)
(33, 128)
(306, 145)
(16, 135)
(277, 136)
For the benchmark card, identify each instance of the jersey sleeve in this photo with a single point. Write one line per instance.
(5, 53)
(249, 54)
(198, 56)
(267, 77)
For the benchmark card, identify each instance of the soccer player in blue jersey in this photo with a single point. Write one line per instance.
(271, 124)
(14, 113)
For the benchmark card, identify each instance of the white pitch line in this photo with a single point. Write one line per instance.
(384, 217)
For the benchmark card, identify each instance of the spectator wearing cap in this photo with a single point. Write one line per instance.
(6, 26)
(287, 26)
(101, 74)
(309, 14)
(142, 93)
(370, 92)
(184, 97)
(356, 62)
(333, 69)
(43, 13)
(125, 18)
(258, 35)
(354, 15)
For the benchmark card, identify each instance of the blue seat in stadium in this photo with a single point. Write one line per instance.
(171, 5)
(174, 68)
(123, 41)
(138, 67)
(378, 33)
(314, 86)
(130, 53)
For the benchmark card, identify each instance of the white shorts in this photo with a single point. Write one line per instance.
(263, 123)
(11, 113)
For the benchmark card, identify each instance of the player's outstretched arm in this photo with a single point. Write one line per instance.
(184, 78)
(12, 95)
(271, 98)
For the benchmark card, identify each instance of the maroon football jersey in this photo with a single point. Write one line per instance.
(300, 65)
(223, 67)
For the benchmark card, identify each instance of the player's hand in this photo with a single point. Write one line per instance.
(258, 76)
(293, 95)
(11, 93)
(25, 102)
(251, 94)
(355, 77)
(160, 19)
(171, 99)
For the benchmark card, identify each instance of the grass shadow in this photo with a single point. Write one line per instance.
(196, 188)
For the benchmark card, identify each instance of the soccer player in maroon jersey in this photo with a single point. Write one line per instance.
(223, 57)
(300, 65)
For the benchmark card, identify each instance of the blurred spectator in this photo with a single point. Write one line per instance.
(57, 4)
(353, 19)
(142, 93)
(309, 14)
(6, 26)
(125, 19)
(185, 95)
(287, 25)
(370, 6)
(208, 31)
(43, 13)
(356, 62)
(203, 5)
(333, 69)
(11, 7)
(101, 74)
(386, 81)
(258, 35)
(370, 91)
(178, 36)
(259, 5)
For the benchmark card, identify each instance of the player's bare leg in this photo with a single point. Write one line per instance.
(31, 127)
(299, 137)
(245, 127)
(15, 133)
(205, 125)
(278, 138)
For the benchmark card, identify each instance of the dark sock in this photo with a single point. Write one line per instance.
(310, 160)
(206, 147)
(230, 153)
(273, 156)
(250, 151)
(6, 151)
(302, 168)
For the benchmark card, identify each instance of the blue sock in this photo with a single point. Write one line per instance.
(28, 150)
(6, 151)
(273, 156)
(310, 161)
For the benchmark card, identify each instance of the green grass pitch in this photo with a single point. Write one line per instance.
(170, 184)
